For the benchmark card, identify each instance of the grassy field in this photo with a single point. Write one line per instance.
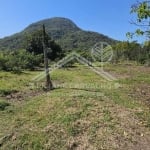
(83, 112)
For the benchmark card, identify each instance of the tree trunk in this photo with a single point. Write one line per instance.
(48, 83)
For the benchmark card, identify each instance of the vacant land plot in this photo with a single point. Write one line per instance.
(83, 112)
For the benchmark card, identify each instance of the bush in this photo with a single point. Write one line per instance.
(5, 92)
(16, 61)
(3, 105)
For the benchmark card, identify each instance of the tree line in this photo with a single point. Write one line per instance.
(132, 51)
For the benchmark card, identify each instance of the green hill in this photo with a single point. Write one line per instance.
(62, 30)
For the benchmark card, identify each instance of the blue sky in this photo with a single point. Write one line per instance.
(109, 17)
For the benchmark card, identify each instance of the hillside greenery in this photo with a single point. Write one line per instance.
(62, 30)
(24, 50)
(29, 59)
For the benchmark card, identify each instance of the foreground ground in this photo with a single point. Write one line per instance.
(83, 112)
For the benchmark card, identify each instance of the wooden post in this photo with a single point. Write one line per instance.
(48, 83)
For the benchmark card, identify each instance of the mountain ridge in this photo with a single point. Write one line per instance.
(63, 30)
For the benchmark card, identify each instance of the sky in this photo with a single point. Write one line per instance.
(109, 17)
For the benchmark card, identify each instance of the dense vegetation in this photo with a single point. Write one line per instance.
(35, 45)
(68, 37)
(32, 57)
(18, 60)
(132, 51)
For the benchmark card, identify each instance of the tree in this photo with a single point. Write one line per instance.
(48, 84)
(34, 42)
(35, 45)
(145, 59)
(142, 13)
(127, 51)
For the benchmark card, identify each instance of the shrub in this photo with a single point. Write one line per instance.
(3, 105)
(16, 61)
